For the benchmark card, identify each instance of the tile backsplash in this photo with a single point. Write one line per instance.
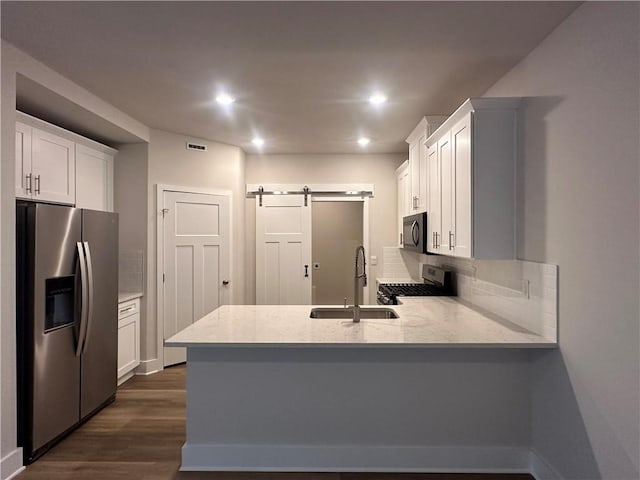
(522, 292)
(131, 271)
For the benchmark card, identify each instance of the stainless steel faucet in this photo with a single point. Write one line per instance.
(356, 282)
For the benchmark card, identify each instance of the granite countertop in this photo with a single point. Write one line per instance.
(126, 296)
(423, 322)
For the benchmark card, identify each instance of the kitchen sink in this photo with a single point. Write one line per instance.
(337, 312)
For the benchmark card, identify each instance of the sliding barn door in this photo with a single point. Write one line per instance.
(283, 250)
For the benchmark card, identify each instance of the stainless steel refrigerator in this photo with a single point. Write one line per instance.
(67, 295)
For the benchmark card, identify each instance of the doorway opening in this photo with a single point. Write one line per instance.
(337, 229)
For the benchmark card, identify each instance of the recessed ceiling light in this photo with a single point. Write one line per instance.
(258, 142)
(225, 99)
(378, 98)
(363, 141)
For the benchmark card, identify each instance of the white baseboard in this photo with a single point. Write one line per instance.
(350, 458)
(125, 377)
(11, 465)
(541, 469)
(147, 367)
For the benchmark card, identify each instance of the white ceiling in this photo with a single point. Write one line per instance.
(301, 71)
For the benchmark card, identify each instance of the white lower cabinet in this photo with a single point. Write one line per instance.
(471, 161)
(128, 338)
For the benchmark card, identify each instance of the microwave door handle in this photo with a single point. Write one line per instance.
(84, 300)
(87, 252)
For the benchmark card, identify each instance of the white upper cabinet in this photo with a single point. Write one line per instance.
(471, 161)
(45, 166)
(404, 199)
(58, 166)
(433, 199)
(24, 177)
(53, 166)
(94, 179)
(418, 162)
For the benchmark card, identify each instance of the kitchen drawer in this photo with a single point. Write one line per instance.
(128, 338)
(126, 309)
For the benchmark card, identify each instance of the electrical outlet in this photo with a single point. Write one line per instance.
(374, 260)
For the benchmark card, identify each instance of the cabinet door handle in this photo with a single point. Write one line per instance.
(306, 270)
(127, 309)
(450, 240)
(38, 184)
(28, 185)
(225, 282)
(433, 239)
(437, 235)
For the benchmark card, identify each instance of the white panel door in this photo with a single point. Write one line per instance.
(24, 179)
(196, 261)
(283, 250)
(461, 160)
(94, 178)
(54, 168)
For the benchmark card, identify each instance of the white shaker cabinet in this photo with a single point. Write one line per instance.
(418, 169)
(404, 196)
(59, 166)
(471, 160)
(128, 338)
(433, 199)
(94, 179)
(24, 177)
(45, 166)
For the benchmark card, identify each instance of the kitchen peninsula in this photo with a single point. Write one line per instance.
(442, 387)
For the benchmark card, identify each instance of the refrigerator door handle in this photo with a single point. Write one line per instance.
(87, 253)
(84, 303)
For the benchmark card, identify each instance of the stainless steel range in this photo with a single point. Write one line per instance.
(437, 282)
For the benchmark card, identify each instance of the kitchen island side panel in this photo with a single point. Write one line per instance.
(252, 408)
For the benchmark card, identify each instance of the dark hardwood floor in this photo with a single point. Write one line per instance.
(139, 437)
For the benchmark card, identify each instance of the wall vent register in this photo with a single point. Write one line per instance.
(196, 146)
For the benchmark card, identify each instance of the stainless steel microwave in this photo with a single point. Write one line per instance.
(414, 232)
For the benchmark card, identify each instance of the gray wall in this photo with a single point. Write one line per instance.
(378, 169)
(579, 208)
(336, 232)
(221, 167)
(131, 168)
